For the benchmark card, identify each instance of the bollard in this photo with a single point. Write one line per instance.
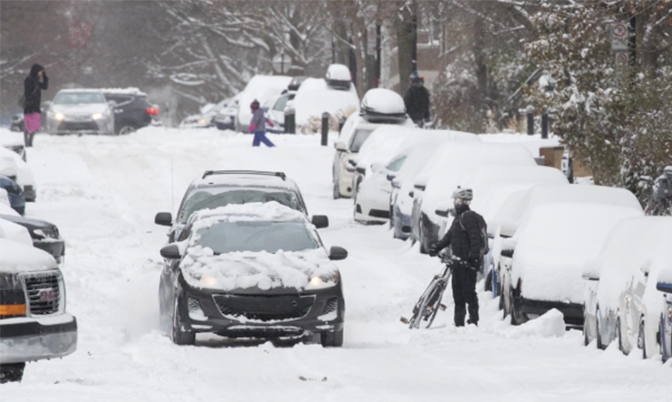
(341, 123)
(530, 123)
(290, 121)
(544, 126)
(325, 128)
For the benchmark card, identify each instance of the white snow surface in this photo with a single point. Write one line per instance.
(4, 199)
(24, 174)
(103, 192)
(17, 257)
(12, 231)
(10, 138)
(554, 244)
(314, 97)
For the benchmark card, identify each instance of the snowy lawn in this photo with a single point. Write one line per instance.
(103, 193)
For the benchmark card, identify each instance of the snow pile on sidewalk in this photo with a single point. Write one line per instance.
(549, 325)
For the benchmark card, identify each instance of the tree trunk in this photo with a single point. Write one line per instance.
(405, 35)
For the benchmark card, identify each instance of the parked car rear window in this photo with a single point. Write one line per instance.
(256, 236)
(358, 139)
(78, 98)
(206, 199)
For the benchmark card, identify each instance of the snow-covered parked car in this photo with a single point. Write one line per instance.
(548, 256)
(520, 204)
(433, 187)
(11, 231)
(316, 96)
(260, 88)
(227, 117)
(255, 270)
(622, 302)
(17, 199)
(13, 141)
(378, 167)
(22, 173)
(80, 111)
(218, 188)
(43, 235)
(34, 324)
(207, 115)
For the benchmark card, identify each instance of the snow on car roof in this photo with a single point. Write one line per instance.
(518, 207)
(266, 212)
(260, 87)
(381, 144)
(10, 138)
(123, 91)
(80, 90)
(338, 72)
(17, 257)
(433, 137)
(244, 179)
(532, 142)
(383, 100)
(631, 245)
(556, 241)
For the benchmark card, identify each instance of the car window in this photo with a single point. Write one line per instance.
(396, 164)
(78, 98)
(358, 139)
(120, 99)
(207, 199)
(281, 103)
(256, 236)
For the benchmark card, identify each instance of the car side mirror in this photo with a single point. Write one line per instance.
(664, 287)
(320, 221)
(340, 146)
(442, 212)
(171, 251)
(591, 270)
(411, 194)
(337, 253)
(390, 177)
(645, 268)
(164, 219)
(360, 170)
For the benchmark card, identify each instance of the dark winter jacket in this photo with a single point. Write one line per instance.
(417, 102)
(464, 236)
(32, 89)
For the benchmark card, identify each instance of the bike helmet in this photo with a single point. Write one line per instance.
(668, 172)
(465, 195)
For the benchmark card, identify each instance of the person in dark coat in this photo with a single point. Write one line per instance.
(33, 85)
(258, 126)
(417, 100)
(464, 239)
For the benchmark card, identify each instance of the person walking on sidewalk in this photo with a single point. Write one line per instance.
(416, 100)
(33, 85)
(258, 126)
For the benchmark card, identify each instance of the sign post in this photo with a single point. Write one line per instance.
(281, 63)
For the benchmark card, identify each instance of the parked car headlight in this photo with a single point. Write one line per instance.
(205, 280)
(44, 233)
(323, 280)
(59, 116)
(97, 116)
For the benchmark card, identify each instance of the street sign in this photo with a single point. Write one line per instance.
(281, 63)
(621, 58)
(619, 36)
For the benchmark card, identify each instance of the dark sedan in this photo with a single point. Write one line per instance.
(45, 235)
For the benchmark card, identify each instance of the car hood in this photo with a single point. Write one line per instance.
(80, 110)
(245, 271)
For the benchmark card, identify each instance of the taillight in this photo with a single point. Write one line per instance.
(152, 110)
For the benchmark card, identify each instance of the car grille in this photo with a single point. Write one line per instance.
(78, 126)
(331, 305)
(43, 292)
(265, 308)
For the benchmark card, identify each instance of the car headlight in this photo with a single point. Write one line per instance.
(201, 121)
(97, 116)
(59, 116)
(205, 280)
(44, 233)
(323, 280)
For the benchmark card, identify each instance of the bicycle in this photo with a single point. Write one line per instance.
(429, 303)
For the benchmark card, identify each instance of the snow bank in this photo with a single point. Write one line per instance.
(261, 88)
(10, 138)
(549, 325)
(24, 175)
(554, 244)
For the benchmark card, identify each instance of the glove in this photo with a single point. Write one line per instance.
(251, 128)
(434, 250)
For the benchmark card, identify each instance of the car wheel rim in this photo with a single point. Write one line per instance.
(126, 130)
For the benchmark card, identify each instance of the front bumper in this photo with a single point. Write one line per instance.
(314, 311)
(572, 312)
(103, 126)
(402, 224)
(30, 339)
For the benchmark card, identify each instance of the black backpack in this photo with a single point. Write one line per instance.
(482, 230)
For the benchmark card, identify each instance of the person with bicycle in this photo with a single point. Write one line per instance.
(464, 239)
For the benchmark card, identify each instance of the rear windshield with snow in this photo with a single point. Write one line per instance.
(79, 98)
(215, 198)
(358, 139)
(256, 236)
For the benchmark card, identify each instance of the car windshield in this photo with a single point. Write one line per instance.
(358, 139)
(255, 236)
(207, 199)
(396, 164)
(280, 103)
(79, 98)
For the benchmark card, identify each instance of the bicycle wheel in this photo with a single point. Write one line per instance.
(421, 306)
(434, 307)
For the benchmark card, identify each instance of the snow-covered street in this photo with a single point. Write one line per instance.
(103, 193)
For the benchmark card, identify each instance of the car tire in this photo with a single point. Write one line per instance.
(11, 372)
(641, 339)
(126, 129)
(179, 335)
(488, 282)
(661, 339)
(598, 335)
(586, 341)
(332, 339)
(517, 317)
(619, 336)
(336, 192)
